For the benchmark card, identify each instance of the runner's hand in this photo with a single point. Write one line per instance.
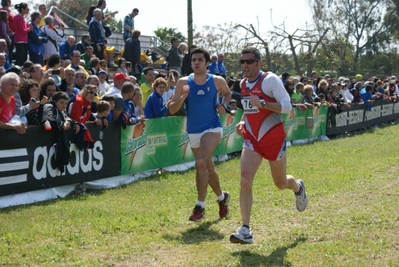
(240, 127)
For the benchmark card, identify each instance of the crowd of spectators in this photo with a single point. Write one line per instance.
(340, 93)
(58, 83)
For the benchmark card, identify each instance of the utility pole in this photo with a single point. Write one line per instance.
(190, 22)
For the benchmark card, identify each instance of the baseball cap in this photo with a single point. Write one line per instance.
(102, 72)
(120, 76)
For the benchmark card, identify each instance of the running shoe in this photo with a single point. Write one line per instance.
(301, 198)
(223, 206)
(243, 236)
(198, 214)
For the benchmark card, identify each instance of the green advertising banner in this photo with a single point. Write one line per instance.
(164, 142)
(295, 123)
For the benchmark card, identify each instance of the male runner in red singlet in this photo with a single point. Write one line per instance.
(264, 99)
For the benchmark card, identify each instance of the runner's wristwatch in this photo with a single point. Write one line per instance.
(263, 103)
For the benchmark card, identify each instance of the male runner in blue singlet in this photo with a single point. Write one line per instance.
(199, 92)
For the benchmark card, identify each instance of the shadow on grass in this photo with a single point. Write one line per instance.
(276, 258)
(195, 235)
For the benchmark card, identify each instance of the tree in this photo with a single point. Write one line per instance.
(224, 39)
(254, 39)
(76, 9)
(353, 23)
(166, 34)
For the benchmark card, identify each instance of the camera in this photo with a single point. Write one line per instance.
(34, 100)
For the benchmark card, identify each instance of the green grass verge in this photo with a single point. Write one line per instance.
(352, 218)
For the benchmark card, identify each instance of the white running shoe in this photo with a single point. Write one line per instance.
(243, 236)
(301, 199)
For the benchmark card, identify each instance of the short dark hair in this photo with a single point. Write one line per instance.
(34, 15)
(94, 61)
(59, 95)
(108, 98)
(252, 50)
(120, 61)
(127, 87)
(103, 105)
(53, 60)
(174, 39)
(200, 50)
(146, 70)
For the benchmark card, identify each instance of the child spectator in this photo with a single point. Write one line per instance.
(146, 87)
(155, 108)
(103, 87)
(122, 66)
(103, 110)
(54, 113)
(111, 100)
(297, 94)
(137, 100)
(128, 106)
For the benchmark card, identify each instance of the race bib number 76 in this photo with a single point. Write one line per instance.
(247, 106)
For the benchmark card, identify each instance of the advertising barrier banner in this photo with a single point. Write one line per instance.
(357, 116)
(297, 123)
(164, 142)
(27, 161)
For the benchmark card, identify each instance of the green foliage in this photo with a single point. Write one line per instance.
(76, 9)
(166, 34)
(352, 217)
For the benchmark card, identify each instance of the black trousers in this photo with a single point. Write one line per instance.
(22, 53)
(99, 54)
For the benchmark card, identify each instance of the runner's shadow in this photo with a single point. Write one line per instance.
(276, 258)
(197, 234)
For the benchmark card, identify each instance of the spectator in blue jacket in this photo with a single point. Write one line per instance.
(154, 107)
(127, 92)
(213, 66)
(97, 34)
(66, 47)
(366, 95)
(36, 39)
(221, 67)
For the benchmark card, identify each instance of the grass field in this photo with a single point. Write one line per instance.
(352, 218)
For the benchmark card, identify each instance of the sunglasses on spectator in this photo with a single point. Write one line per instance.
(248, 61)
(91, 92)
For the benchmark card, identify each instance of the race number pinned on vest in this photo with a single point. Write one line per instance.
(247, 106)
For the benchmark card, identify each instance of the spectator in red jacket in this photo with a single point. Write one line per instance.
(22, 28)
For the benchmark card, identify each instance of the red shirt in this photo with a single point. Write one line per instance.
(21, 28)
(80, 109)
(260, 122)
(7, 110)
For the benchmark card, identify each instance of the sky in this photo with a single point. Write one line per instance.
(173, 13)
